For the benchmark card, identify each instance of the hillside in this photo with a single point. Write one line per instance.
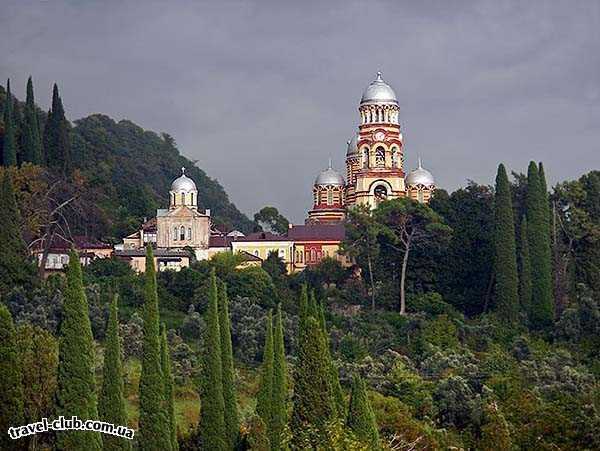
(136, 168)
(129, 171)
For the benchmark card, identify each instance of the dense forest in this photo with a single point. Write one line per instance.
(469, 323)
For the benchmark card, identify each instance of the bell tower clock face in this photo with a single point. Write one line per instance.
(379, 136)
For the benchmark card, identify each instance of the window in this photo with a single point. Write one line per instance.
(182, 233)
(175, 233)
(282, 253)
(182, 198)
(256, 253)
(189, 233)
(380, 156)
(365, 158)
(329, 196)
(395, 157)
(192, 198)
(420, 196)
(313, 255)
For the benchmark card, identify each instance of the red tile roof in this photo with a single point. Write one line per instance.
(317, 232)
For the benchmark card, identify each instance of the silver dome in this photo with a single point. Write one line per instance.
(183, 183)
(352, 149)
(379, 92)
(420, 176)
(330, 177)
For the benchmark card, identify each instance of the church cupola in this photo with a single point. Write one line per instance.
(378, 104)
(183, 192)
(420, 184)
(328, 197)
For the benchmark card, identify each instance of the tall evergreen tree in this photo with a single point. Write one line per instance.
(165, 359)
(9, 153)
(17, 120)
(212, 411)
(541, 313)
(232, 422)
(505, 264)
(314, 405)
(16, 268)
(31, 140)
(57, 136)
(153, 427)
(361, 419)
(279, 392)
(111, 404)
(265, 392)
(525, 268)
(336, 387)
(76, 383)
(11, 382)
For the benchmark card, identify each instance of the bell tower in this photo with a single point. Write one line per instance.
(375, 156)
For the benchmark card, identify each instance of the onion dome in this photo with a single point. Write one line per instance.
(330, 177)
(183, 183)
(420, 176)
(379, 92)
(352, 149)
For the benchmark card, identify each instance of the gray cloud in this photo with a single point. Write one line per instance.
(263, 93)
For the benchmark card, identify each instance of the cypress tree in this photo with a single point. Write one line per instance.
(153, 427)
(336, 387)
(76, 383)
(279, 394)
(313, 399)
(507, 281)
(361, 419)
(57, 136)
(541, 313)
(15, 267)
(232, 422)
(525, 268)
(17, 119)
(265, 393)
(11, 382)
(212, 412)
(32, 143)
(111, 404)
(9, 153)
(165, 359)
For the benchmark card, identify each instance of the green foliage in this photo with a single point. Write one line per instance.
(361, 419)
(38, 355)
(57, 137)
(76, 384)
(111, 403)
(11, 380)
(541, 313)
(212, 411)
(15, 267)
(524, 268)
(252, 282)
(31, 138)
(9, 149)
(505, 262)
(270, 220)
(165, 360)
(264, 397)
(280, 386)
(314, 405)
(153, 431)
(495, 433)
(232, 422)
(441, 332)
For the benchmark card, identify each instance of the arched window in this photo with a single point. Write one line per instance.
(192, 198)
(182, 198)
(379, 156)
(420, 196)
(182, 233)
(313, 255)
(329, 196)
(365, 158)
(189, 233)
(175, 231)
(394, 157)
(381, 194)
(256, 252)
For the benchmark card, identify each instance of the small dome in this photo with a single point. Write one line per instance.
(330, 177)
(183, 183)
(352, 149)
(420, 176)
(379, 92)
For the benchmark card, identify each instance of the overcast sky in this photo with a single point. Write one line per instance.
(263, 93)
